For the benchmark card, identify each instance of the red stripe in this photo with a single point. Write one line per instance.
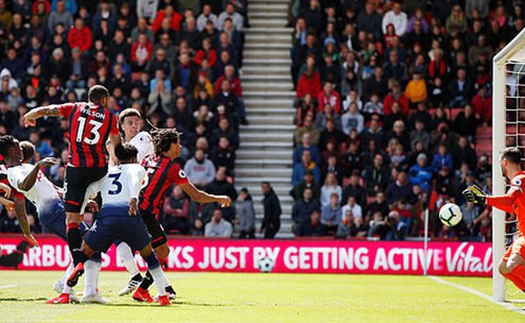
(73, 225)
(157, 239)
(73, 152)
(72, 202)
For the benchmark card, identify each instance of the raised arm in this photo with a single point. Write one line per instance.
(23, 222)
(29, 181)
(203, 197)
(52, 110)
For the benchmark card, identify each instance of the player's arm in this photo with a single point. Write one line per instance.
(504, 202)
(6, 189)
(23, 222)
(203, 197)
(135, 184)
(29, 181)
(30, 117)
(8, 204)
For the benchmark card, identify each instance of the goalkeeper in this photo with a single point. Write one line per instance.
(512, 266)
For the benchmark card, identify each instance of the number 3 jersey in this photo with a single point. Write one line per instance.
(89, 128)
(121, 184)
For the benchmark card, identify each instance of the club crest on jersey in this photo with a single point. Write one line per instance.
(517, 182)
(182, 174)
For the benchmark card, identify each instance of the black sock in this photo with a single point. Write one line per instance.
(137, 277)
(12, 260)
(147, 281)
(74, 240)
(170, 290)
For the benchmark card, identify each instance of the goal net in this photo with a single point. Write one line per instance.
(508, 113)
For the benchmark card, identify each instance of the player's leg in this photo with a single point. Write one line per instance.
(91, 294)
(16, 257)
(512, 264)
(159, 243)
(126, 254)
(135, 234)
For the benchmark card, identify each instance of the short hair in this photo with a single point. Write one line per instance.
(126, 153)
(97, 93)
(28, 150)
(512, 154)
(6, 142)
(129, 112)
(163, 138)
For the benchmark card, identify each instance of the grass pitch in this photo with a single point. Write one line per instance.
(219, 297)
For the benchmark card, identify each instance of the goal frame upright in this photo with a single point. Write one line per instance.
(498, 144)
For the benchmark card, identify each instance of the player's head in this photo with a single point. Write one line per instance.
(98, 94)
(130, 122)
(10, 149)
(28, 151)
(166, 141)
(510, 158)
(127, 154)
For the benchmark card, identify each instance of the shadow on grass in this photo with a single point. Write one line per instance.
(14, 299)
(172, 303)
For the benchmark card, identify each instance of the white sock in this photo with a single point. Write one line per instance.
(159, 278)
(66, 289)
(165, 282)
(125, 253)
(91, 277)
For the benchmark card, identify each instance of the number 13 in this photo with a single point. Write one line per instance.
(94, 131)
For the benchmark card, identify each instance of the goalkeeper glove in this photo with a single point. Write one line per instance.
(475, 194)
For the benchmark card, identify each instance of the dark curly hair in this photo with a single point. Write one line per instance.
(126, 152)
(6, 142)
(163, 138)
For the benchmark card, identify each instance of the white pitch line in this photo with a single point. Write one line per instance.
(8, 286)
(477, 293)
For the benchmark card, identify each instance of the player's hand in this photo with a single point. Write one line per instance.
(48, 161)
(475, 194)
(29, 122)
(92, 206)
(9, 205)
(32, 240)
(133, 207)
(224, 200)
(6, 189)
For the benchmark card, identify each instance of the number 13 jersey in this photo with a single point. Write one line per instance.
(89, 128)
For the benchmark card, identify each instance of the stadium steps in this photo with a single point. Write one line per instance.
(265, 152)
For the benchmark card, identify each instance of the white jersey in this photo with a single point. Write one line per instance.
(121, 184)
(144, 144)
(41, 194)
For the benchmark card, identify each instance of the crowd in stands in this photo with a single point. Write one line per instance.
(391, 99)
(177, 62)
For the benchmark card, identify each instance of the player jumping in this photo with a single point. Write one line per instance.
(34, 185)
(163, 172)
(512, 265)
(91, 125)
(119, 219)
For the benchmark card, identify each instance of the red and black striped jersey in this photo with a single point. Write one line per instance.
(3, 179)
(162, 173)
(89, 128)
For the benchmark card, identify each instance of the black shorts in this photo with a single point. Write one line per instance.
(77, 181)
(155, 229)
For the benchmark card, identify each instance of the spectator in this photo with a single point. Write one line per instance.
(176, 212)
(302, 209)
(306, 144)
(80, 36)
(352, 119)
(171, 15)
(482, 104)
(399, 190)
(306, 164)
(370, 21)
(331, 214)
(330, 186)
(308, 127)
(397, 18)
(307, 183)
(218, 227)
(245, 215)
(205, 16)
(355, 189)
(466, 123)
(237, 19)
(376, 175)
(200, 170)
(396, 96)
(416, 90)
(352, 207)
(378, 206)
(220, 186)
(309, 83)
(322, 118)
(141, 53)
(147, 9)
(313, 226)
(272, 212)
(442, 158)
(421, 174)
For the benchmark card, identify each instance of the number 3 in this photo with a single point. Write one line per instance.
(94, 131)
(115, 182)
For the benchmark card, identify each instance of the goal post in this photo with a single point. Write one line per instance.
(513, 52)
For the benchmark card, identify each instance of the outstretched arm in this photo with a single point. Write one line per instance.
(30, 179)
(23, 222)
(505, 202)
(48, 110)
(203, 197)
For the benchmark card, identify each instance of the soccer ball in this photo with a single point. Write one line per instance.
(450, 214)
(265, 264)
